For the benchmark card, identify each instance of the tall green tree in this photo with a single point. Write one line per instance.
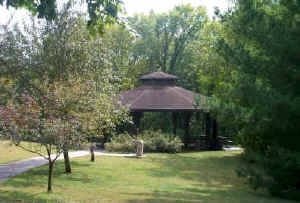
(162, 38)
(261, 45)
(118, 43)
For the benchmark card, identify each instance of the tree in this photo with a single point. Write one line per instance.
(261, 47)
(55, 67)
(126, 65)
(25, 119)
(100, 111)
(162, 38)
(62, 54)
(100, 11)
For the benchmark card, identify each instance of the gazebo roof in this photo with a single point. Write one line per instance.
(161, 96)
(158, 76)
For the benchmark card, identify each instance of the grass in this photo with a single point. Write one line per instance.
(9, 152)
(184, 177)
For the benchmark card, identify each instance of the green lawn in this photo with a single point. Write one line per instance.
(9, 152)
(185, 177)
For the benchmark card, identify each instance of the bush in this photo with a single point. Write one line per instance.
(278, 170)
(154, 141)
(121, 143)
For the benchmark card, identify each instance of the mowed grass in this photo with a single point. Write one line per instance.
(184, 177)
(9, 152)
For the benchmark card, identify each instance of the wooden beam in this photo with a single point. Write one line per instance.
(186, 125)
(136, 117)
(214, 134)
(174, 119)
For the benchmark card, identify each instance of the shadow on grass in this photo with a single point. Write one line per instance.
(192, 168)
(39, 176)
(186, 177)
(16, 196)
(202, 195)
(211, 171)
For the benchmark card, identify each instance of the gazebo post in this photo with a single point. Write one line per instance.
(214, 134)
(136, 117)
(186, 125)
(174, 119)
(211, 131)
(207, 125)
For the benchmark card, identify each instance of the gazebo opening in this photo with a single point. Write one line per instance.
(159, 93)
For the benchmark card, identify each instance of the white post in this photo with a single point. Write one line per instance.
(139, 148)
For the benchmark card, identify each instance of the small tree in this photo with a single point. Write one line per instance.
(100, 111)
(28, 120)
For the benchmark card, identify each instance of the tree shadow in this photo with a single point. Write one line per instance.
(39, 175)
(201, 195)
(190, 167)
(17, 196)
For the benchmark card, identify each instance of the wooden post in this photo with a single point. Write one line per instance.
(186, 125)
(207, 125)
(136, 116)
(214, 134)
(174, 119)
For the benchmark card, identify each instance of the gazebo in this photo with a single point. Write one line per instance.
(158, 93)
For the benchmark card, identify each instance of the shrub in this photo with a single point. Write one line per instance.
(121, 143)
(278, 170)
(154, 141)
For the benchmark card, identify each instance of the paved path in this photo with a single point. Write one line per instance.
(14, 168)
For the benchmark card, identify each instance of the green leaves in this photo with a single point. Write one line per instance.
(44, 8)
(101, 12)
(162, 38)
(260, 46)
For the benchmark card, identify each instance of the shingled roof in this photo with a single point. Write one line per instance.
(162, 97)
(158, 76)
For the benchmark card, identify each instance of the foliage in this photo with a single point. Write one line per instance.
(278, 171)
(100, 11)
(161, 39)
(260, 45)
(162, 142)
(26, 120)
(154, 141)
(119, 44)
(121, 143)
(247, 63)
(49, 84)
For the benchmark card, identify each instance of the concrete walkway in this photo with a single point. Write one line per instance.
(14, 168)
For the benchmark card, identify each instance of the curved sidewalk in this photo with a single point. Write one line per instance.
(17, 167)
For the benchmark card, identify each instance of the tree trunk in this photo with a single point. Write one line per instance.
(92, 153)
(51, 163)
(67, 161)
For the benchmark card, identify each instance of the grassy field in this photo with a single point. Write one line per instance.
(9, 152)
(185, 177)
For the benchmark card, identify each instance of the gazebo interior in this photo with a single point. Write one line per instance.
(159, 93)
